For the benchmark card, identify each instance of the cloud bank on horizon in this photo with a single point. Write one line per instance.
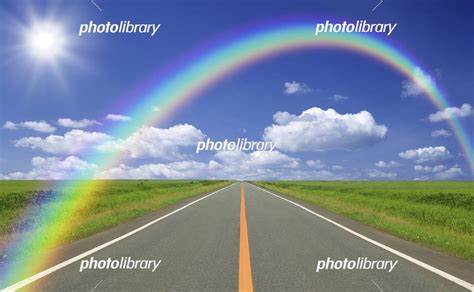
(313, 130)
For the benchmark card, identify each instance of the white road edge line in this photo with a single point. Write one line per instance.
(61, 265)
(430, 268)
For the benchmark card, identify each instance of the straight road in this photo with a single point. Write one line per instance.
(243, 237)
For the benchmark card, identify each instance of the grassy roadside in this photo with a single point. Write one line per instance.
(118, 202)
(439, 215)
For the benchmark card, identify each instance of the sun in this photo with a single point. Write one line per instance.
(46, 41)
(44, 49)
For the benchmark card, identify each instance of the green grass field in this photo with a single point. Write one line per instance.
(439, 215)
(119, 201)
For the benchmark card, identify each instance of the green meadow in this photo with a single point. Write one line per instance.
(115, 202)
(436, 214)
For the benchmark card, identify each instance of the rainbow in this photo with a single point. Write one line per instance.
(173, 90)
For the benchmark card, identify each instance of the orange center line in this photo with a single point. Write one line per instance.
(245, 272)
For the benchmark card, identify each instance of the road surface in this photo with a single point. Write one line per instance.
(243, 237)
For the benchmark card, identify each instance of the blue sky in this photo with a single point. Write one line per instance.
(98, 71)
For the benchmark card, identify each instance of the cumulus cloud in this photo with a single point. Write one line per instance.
(383, 164)
(440, 133)
(316, 129)
(257, 159)
(323, 175)
(254, 167)
(117, 118)
(416, 86)
(53, 168)
(464, 111)
(229, 164)
(174, 170)
(71, 142)
(439, 171)
(451, 173)
(10, 125)
(421, 178)
(426, 154)
(69, 123)
(339, 97)
(429, 169)
(156, 142)
(38, 126)
(318, 164)
(375, 173)
(296, 87)
(146, 142)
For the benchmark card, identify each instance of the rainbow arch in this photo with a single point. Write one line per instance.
(170, 94)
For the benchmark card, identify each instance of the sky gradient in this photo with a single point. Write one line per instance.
(52, 115)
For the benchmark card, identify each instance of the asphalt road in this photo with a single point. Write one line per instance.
(265, 243)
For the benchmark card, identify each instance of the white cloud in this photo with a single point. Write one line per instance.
(440, 133)
(38, 126)
(255, 166)
(71, 142)
(450, 173)
(230, 165)
(69, 123)
(144, 143)
(257, 159)
(296, 87)
(416, 86)
(438, 168)
(375, 173)
(117, 118)
(450, 112)
(429, 169)
(156, 142)
(440, 171)
(422, 178)
(383, 164)
(174, 170)
(10, 125)
(311, 175)
(339, 97)
(318, 164)
(323, 175)
(53, 168)
(316, 129)
(426, 154)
